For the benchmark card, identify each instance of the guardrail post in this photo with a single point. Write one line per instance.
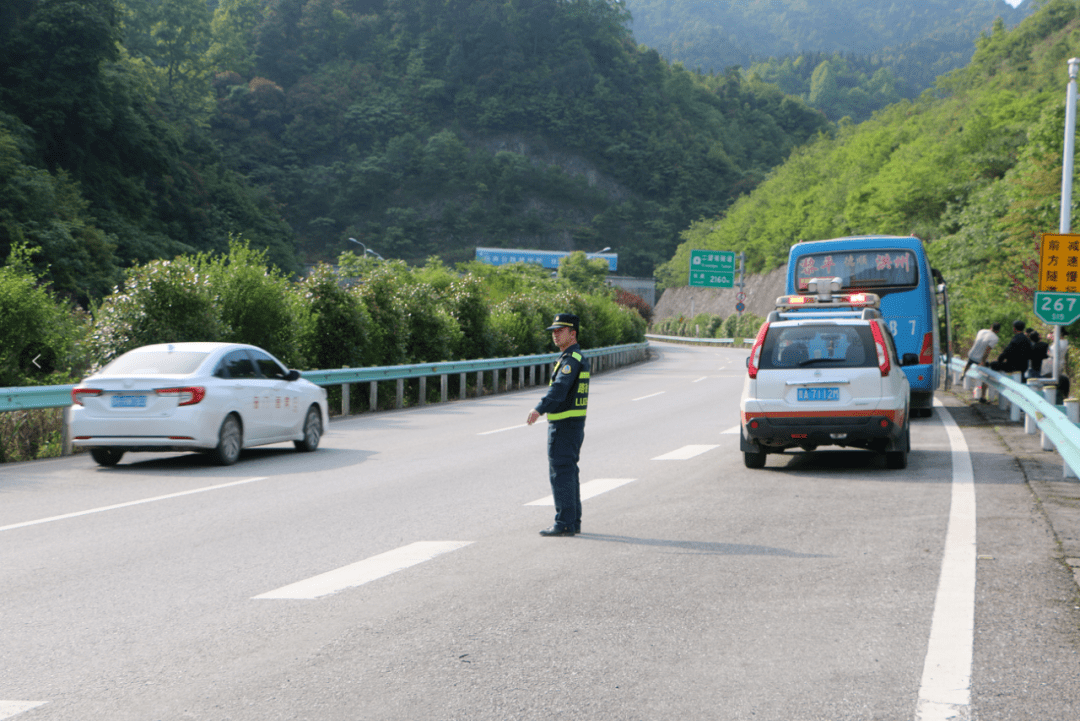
(423, 391)
(373, 395)
(1050, 394)
(345, 410)
(494, 380)
(1014, 408)
(65, 432)
(463, 386)
(399, 402)
(1072, 410)
(1031, 426)
(479, 383)
(444, 387)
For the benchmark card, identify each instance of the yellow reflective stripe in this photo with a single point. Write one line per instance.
(583, 374)
(565, 414)
(576, 356)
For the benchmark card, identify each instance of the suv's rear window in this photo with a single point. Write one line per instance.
(154, 363)
(819, 346)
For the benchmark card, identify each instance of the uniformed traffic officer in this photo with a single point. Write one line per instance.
(565, 403)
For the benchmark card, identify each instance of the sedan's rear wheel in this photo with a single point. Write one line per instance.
(754, 460)
(312, 431)
(230, 441)
(106, 456)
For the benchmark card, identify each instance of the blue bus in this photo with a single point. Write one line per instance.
(896, 269)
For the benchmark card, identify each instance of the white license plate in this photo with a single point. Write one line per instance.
(129, 400)
(818, 394)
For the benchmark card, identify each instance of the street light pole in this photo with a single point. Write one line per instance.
(366, 250)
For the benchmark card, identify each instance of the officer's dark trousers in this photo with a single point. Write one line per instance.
(564, 449)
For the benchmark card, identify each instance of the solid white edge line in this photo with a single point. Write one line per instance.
(361, 572)
(102, 509)
(13, 708)
(651, 395)
(945, 691)
(500, 430)
(588, 490)
(685, 453)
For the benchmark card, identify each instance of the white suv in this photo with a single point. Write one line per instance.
(824, 371)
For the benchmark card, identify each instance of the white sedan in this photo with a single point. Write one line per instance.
(210, 397)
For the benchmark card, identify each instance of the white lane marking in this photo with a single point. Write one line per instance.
(155, 499)
(685, 453)
(651, 395)
(734, 430)
(698, 380)
(500, 430)
(588, 490)
(370, 569)
(12, 708)
(945, 692)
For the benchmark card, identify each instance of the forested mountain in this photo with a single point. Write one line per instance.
(973, 168)
(135, 129)
(916, 39)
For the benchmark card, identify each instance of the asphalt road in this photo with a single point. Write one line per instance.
(397, 573)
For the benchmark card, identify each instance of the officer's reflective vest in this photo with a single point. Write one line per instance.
(577, 399)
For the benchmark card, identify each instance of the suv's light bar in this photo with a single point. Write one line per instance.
(828, 301)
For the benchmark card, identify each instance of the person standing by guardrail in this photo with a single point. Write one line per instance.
(565, 404)
(985, 340)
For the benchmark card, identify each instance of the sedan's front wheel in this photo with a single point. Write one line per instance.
(230, 441)
(312, 431)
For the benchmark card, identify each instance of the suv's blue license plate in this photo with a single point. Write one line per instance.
(129, 401)
(818, 394)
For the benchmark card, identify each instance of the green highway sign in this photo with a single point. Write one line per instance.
(712, 268)
(1057, 308)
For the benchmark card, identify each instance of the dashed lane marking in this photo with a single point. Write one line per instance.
(370, 569)
(114, 507)
(588, 490)
(651, 395)
(733, 430)
(698, 380)
(685, 453)
(500, 430)
(13, 708)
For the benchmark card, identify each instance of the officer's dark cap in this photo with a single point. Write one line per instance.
(565, 320)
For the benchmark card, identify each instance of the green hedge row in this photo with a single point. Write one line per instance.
(361, 312)
(706, 325)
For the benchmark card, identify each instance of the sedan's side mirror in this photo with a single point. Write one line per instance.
(747, 361)
(292, 375)
(909, 359)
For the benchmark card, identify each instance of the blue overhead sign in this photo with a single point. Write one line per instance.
(546, 258)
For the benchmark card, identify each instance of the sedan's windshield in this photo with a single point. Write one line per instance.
(154, 363)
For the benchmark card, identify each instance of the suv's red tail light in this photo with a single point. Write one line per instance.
(755, 352)
(883, 362)
(78, 393)
(188, 396)
(926, 353)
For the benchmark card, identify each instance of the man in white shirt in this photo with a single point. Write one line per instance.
(985, 340)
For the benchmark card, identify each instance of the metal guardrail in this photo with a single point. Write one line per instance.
(1049, 418)
(691, 339)
(34, 397)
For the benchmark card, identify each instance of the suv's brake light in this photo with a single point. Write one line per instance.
(883, 362)
(755, 352)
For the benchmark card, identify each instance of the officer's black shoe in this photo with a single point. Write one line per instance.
(558, 531)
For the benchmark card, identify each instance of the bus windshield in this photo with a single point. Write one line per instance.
(876, 268)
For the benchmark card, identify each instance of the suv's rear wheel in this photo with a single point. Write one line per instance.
(898, 459)
(754, 460)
